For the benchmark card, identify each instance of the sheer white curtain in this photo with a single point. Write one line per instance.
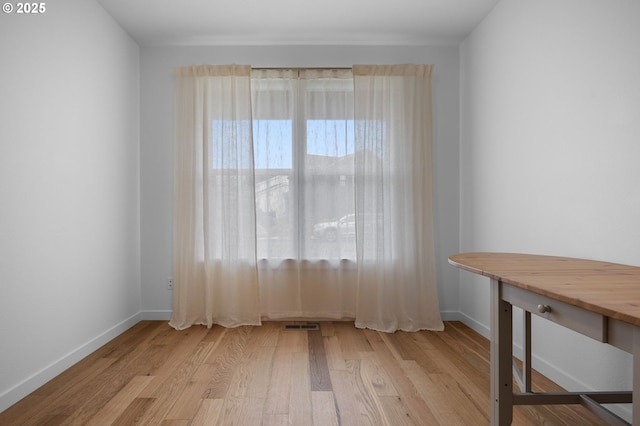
(397, 286)
(304, 145)
(215, 271)
(298, 196)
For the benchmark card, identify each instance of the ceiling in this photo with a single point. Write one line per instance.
(312, 22)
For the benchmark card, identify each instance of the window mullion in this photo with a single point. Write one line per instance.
(300, 149)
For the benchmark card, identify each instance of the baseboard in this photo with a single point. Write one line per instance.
(450, 316)
(24, 388)
(476, 326)
(165, 315)
(156, 315)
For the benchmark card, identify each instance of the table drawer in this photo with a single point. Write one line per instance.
(585, 322)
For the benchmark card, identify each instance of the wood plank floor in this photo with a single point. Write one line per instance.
(338, 375)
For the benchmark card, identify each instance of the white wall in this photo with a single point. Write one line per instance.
(549, 157)
(69, 190)
(157, 139)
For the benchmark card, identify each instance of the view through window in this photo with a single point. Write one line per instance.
(303, 164)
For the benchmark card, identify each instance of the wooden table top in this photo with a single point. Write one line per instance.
(606, 288)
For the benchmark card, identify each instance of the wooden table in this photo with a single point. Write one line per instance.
(598, 299)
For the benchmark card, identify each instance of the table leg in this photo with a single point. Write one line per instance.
(526, 356)
(635, 398)
(501, 357)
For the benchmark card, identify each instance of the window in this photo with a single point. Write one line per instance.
(303, 136)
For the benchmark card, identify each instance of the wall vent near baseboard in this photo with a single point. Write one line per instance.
(301, 327)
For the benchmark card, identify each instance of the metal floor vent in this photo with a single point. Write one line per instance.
(301, 327)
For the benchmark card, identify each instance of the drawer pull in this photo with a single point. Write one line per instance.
(544, 308)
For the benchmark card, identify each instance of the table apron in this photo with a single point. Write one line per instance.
(585, 322)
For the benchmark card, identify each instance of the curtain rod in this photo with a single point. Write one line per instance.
(301, 68)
